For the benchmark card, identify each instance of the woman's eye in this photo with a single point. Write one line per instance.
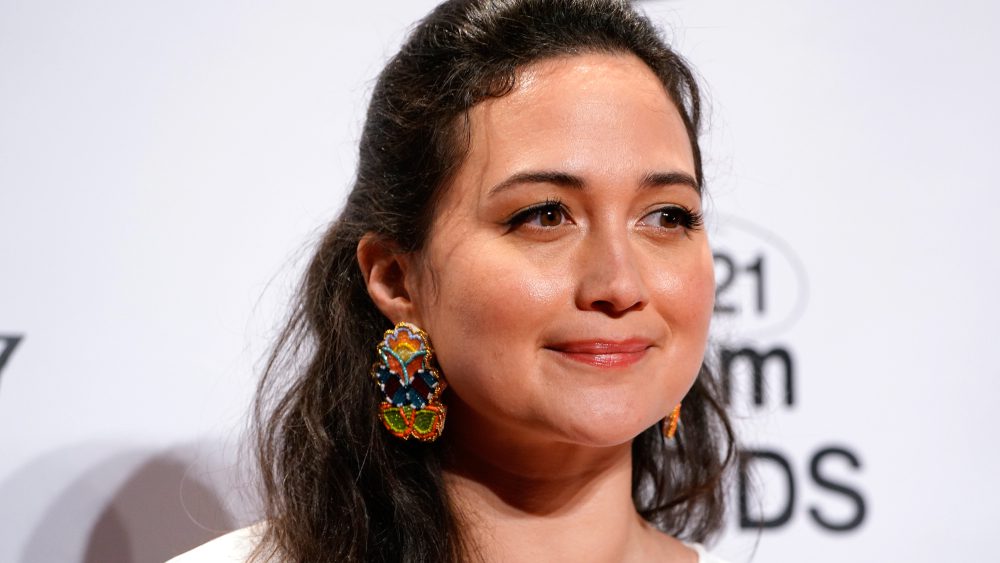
(550, 217)
(546, 215)
(673, 217)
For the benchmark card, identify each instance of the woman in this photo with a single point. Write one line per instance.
(525, 230)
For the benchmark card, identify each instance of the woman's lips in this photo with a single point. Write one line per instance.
(603, 353)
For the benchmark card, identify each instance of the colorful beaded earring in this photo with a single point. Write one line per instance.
(670, 428)
(410, 385)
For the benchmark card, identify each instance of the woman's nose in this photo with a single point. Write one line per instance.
(610, 277)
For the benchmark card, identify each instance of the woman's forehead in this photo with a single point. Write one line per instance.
(603, 114)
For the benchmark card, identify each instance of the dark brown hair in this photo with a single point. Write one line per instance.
(336, 486)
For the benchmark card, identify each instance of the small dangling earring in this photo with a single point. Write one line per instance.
(410, 385)
(670, 428)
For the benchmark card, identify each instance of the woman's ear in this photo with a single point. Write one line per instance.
(385, 270)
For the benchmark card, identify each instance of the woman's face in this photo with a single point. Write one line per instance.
(566, 283)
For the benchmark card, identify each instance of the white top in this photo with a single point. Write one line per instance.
(703, 555)
(235, 547)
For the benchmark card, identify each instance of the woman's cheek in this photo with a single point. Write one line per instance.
(490, 317)
(686, 292)
(702, 286)
(502, 290)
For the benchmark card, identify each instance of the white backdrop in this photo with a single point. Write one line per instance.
(164, 167)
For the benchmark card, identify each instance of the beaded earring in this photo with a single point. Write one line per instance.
(409, 384)
(670, 428)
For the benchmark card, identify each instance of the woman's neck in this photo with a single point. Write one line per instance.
(551, 502)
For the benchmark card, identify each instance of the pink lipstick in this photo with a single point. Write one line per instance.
(603, 353)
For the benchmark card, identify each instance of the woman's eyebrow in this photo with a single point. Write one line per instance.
(651, 180)
(538, 177)
(660, 179)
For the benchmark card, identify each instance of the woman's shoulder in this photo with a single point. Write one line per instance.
(703, 555)
(234, 547)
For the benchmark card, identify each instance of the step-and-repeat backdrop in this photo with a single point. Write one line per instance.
(165, 167)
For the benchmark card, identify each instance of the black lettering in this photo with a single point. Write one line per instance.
(757, 361)
(757, 268)
(724, 281)
(824, 482)
(726, 274)
(746, 521)
(9, 343)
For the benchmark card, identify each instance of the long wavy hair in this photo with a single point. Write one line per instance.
(335, 485)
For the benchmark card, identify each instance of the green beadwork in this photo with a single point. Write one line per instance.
(395, 420)
(424, 421)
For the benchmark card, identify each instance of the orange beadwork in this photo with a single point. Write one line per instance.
(671, 427)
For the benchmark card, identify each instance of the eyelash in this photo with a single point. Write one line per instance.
(689, 220)
(527, 214)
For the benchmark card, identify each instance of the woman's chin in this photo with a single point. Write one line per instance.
(603, 428)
